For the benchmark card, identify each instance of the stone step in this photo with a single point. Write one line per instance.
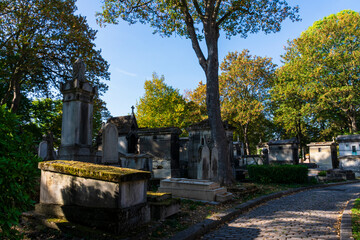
(223, 197)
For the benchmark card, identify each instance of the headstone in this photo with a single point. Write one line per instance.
(46, 150)
(214, 163)
(204, 164)
(43, 148)
(110, 144)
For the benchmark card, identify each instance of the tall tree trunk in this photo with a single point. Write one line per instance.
(16, 97)
(246, 139)
(211, 69)
(352, 124)
(213, 107)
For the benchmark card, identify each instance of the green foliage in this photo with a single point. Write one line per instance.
(162, 106)
(317, 93)
(322, 173)
(288, 174)
(45, 116)
(355, 219)
(232, 17)
(39, 42)
(18, 171)
(244, 85)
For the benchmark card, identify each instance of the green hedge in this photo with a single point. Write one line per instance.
(278, 173)
(18, 172)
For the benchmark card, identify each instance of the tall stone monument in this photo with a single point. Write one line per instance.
(76, 132)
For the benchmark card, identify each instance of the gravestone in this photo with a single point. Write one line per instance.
(46, 149)
(200, 140)
(214, 163)
(76, 131)
(204, 164)
(43, 149)
(110, 144)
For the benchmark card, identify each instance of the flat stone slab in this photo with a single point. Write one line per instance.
(195, 189)
(94, 171)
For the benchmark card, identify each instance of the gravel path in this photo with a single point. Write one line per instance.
(310, 214)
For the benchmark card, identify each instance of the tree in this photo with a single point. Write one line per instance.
(244, 84)
(18, 172)
(198, 20)
(319, 84)
(39, 41)
(162, 106)
(198, 98)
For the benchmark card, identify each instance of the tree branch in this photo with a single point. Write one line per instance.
(216, 10)
(231, 10)
(198, 9)
(192, 33)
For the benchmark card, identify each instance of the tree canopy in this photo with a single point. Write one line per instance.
(199, 20)
(244, 84)
(39, 41)
(162, 106)
(318, 87)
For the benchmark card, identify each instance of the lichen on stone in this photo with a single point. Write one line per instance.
(94, 171)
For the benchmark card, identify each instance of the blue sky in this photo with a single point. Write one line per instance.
(134, 53)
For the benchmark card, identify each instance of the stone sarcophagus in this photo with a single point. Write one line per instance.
(105, 197)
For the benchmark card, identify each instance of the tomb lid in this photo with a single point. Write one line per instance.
(316, 144)
(283, 142)
(94, 171)
(205, 124)
(159, 131)
(348, 138)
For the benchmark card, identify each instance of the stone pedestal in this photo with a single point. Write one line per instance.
(76, 131)
(110, 198)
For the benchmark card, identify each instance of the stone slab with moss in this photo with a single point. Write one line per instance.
(88, 189)
(94, 171)
(162, 205)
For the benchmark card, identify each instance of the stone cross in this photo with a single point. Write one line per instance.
(132, 109)
(79, 70)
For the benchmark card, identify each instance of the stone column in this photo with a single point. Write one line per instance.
(77, 119)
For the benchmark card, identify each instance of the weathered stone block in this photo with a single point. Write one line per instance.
(81, 192)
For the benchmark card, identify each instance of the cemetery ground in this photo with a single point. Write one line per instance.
(191, 213)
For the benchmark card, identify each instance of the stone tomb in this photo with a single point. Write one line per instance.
(105, 197)
(324, 154)
(284, 151)
(196, 189)
(202, 154)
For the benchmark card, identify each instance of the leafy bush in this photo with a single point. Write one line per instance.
(18, 171)
(322, 174)
(278, 173)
